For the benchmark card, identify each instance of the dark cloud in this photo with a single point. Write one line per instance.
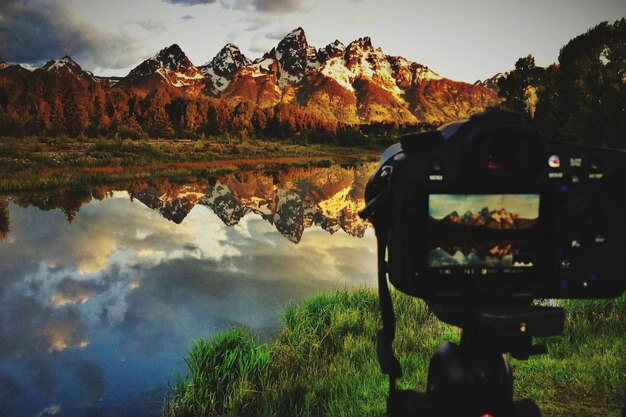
(187, 17)
(190, 2)
(34, 31)
(283, 6)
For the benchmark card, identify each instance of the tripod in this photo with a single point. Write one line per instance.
(473, 378)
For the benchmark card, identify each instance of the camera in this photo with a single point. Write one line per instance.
(491, 209)
(479, 218)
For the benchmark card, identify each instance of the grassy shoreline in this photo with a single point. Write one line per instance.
(40, 163)
(323, 362)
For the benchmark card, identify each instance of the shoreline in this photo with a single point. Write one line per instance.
(28, 166)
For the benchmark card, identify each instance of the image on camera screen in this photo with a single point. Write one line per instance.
(482, 230)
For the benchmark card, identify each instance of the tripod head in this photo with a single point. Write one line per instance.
(502, 328)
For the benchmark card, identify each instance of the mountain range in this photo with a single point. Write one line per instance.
(347, 84)
(500, 219)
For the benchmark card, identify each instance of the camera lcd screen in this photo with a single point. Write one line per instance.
(493, 232)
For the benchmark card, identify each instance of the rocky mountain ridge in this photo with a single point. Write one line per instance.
(353, 84)
(500, 219)
(293, 201)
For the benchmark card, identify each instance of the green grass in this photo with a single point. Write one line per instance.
(322, 363)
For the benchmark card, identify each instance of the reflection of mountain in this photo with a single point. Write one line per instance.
(500, 219)
(291, 200)
(5, 222)
(492, 254)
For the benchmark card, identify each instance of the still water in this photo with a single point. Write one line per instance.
(102, 291)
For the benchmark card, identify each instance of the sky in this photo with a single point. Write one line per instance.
(458, 39)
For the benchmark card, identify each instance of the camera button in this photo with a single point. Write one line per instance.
(576, 162)
(554, 161)
(436, 165)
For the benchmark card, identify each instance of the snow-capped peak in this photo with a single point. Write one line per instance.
(172, 65)
(65, 63)
(331, 50)
(296, 33)
(223, 66)
(295, 57)
(172, 58)
(364, 43)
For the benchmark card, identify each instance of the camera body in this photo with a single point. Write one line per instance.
(490, 209)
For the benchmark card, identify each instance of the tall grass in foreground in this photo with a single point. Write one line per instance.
(323, 362)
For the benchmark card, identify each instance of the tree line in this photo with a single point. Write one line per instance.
(62, 103)
(582, 97)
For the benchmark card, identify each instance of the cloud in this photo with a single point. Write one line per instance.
(187, 17)
(34, 31)
(265, 6)
(260, 45)
(190, 2)
(284, 6)
(152, 25)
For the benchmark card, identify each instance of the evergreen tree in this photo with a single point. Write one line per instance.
(519, 87)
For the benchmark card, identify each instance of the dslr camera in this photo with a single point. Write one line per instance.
(479, 218)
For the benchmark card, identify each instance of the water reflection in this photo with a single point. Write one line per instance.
(100, 297)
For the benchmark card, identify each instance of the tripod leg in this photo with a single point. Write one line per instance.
(407, 403)
(525, 408)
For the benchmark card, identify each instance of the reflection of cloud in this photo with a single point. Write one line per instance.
(62, 335)
(40, 372)
(52, 410)
(30, 328)
(157, 285)
(9, 390)
(185, 296)
(70, 291)
(92, 379)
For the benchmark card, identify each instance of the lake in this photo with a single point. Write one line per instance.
(103, 290)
